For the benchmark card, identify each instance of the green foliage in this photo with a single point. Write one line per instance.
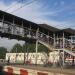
(42, 48)
(2, 52)
(32, 46)
(17, 48)
(29, 47)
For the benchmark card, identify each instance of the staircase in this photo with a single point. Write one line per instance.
(48, 42)
(69, 52)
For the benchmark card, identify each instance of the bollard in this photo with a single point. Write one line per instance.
(40, 73)
(10, 70)
(23, 72)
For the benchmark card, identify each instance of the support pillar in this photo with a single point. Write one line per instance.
(36, 51)
(37, 33)
(13, 31)
(54, 40)
(24, 49)
(30, 31)
(71, 43)
(22, 30)
(27, 43)
(63, 58)
(3, 24)
(26, 52)
(54, 64)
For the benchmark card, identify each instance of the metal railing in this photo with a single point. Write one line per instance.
(67, 44)
(45, 38)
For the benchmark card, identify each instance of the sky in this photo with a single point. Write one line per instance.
(57, 13)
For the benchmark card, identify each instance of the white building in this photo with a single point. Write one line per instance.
(31, 57)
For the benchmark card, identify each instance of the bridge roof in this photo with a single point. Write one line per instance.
(69, 30)
(53, 29)
(19, 20)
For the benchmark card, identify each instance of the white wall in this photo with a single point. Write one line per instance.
(15, 57)
(31, 57)
(54, 56)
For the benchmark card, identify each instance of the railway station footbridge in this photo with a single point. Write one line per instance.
(14, 27)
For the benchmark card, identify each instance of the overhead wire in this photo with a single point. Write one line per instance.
(12, 5)
(27, 3)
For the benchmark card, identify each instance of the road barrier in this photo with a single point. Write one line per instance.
(24, 71)
(10, 70)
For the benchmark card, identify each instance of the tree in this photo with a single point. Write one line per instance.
(17, 48)
(3, 52)
(29, 47)
(42, 48)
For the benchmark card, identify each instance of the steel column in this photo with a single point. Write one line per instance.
(63, 49)
(36, 51)
(3, 24)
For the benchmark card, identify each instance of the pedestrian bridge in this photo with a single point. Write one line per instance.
(14, 27)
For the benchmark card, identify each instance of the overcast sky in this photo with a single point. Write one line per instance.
(58, 13)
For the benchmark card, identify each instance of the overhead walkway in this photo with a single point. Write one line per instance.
(68, 47)
(14, 27)
(61, 44)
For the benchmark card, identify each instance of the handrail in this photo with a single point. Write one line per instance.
(46, 35)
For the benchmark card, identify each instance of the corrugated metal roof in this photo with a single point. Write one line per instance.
(45, 26)
(53, 29)
(69, 30)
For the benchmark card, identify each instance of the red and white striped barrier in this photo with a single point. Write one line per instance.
(9, 70)
(22, 71)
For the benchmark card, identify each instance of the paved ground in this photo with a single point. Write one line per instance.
(44, 68)
(49, 69)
